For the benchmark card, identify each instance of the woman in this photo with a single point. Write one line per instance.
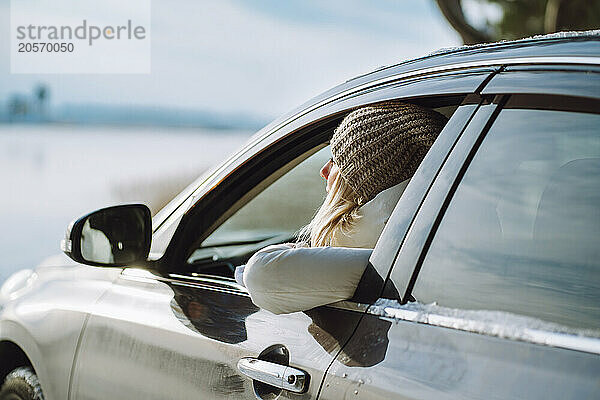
(376, 149)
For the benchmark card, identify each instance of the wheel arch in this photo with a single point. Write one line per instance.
(18, 349)
(12, 356)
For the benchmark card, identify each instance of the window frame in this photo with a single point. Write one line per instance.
(424, 224)
(187, 221)
(392, 238)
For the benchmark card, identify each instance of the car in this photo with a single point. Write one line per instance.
(485, 282)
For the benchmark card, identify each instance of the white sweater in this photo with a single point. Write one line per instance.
(287, 278)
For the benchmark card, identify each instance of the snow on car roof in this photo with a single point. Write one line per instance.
(449, 50)
(556, 35)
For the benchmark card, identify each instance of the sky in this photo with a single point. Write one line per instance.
(257, 57)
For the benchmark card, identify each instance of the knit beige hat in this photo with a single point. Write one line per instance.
(379, 146)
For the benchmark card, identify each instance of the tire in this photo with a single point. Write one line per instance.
(21, 384)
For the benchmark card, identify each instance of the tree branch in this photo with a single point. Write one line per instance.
(453, 12)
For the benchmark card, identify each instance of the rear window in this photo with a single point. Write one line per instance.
(521, 233)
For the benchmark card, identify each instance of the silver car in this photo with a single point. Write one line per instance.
(484, 284)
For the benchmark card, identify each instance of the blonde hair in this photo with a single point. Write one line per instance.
(336, 215)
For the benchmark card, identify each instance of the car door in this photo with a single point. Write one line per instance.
(181, 332)
(502, 257)
(192, 334)
(156, 338)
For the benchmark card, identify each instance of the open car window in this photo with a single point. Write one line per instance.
(275, 215)
(273, 210)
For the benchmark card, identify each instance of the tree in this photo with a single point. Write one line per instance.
(522, 18)
(42, 95)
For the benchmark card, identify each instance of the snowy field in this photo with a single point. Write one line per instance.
(51, 174)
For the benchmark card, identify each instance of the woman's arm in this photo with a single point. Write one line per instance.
(285, 278)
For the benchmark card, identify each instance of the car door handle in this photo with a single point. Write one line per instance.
(281, 376)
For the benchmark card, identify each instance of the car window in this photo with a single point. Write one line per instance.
(521, 233)
(276, 214)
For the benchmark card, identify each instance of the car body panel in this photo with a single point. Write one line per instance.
(422, 361)
(46, 318)
(159, 338)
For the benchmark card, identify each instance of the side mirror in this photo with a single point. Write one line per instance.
(110, 237)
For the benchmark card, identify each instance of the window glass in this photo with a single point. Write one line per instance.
(522, 232)
(277, 213)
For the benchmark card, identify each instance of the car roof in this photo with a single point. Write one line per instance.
(535, 45)
(558, 48)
